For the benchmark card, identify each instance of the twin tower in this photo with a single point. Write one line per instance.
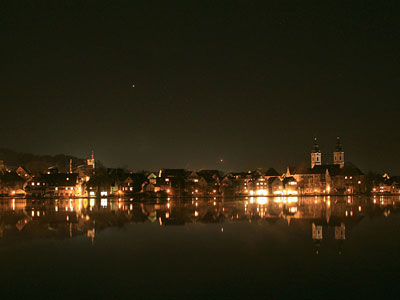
(338, 154)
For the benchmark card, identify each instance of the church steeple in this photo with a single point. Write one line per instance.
(91, 162)
(338, 154)
(316, 156)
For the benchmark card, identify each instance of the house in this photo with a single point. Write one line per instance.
(271, 172)
(212, 179)
(23, 173)
(54, 185)
(258, 185)
(289, 186)
(275, 186)
(11, 184)
(196, 185)
(387, 185)
(240, 182)
(172, 181)
(133, 182)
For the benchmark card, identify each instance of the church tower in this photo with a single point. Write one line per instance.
(316, 155)
(338, 155)
(91, 162)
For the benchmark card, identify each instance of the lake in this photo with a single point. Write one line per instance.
(248, 248)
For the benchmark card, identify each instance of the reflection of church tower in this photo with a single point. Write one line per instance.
(338, 155)
(315, 155)
(91, 234)
(317, 236)
(340, 236)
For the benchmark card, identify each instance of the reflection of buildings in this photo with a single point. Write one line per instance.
(326, 218)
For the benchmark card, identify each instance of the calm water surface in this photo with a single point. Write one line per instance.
(254, 248)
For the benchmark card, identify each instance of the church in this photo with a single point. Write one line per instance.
(338, 178)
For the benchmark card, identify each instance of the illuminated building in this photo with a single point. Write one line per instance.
(338, 154)
(320, 179)
(316, 156)
(53, 185)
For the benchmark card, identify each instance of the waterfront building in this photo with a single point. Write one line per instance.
(23, 173)
(336, 178)
(275, 186)
(213, 180)
(172, 181)
(54, 185)
(386, 185)
(289, 186)
(11, 184)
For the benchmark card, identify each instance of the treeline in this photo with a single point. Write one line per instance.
(38, 163)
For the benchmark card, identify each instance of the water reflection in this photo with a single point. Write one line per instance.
(324, 217)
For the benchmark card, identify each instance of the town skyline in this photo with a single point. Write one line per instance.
(226, 164)
(66, 176)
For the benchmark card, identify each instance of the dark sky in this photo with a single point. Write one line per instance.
(250, 82)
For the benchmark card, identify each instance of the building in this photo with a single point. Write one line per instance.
(275, 186)
(336, 178)
(316, 155)
(23, 173)
(54, 185)
(338, 154)
(172, 181)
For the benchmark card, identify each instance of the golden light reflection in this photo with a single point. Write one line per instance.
(262, 200)
(261, 192)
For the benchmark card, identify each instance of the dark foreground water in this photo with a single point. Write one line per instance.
(269, 248)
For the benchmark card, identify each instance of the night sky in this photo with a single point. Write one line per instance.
(249, 82)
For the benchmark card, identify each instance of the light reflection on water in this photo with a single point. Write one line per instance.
(81, 216)
(247, 243)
